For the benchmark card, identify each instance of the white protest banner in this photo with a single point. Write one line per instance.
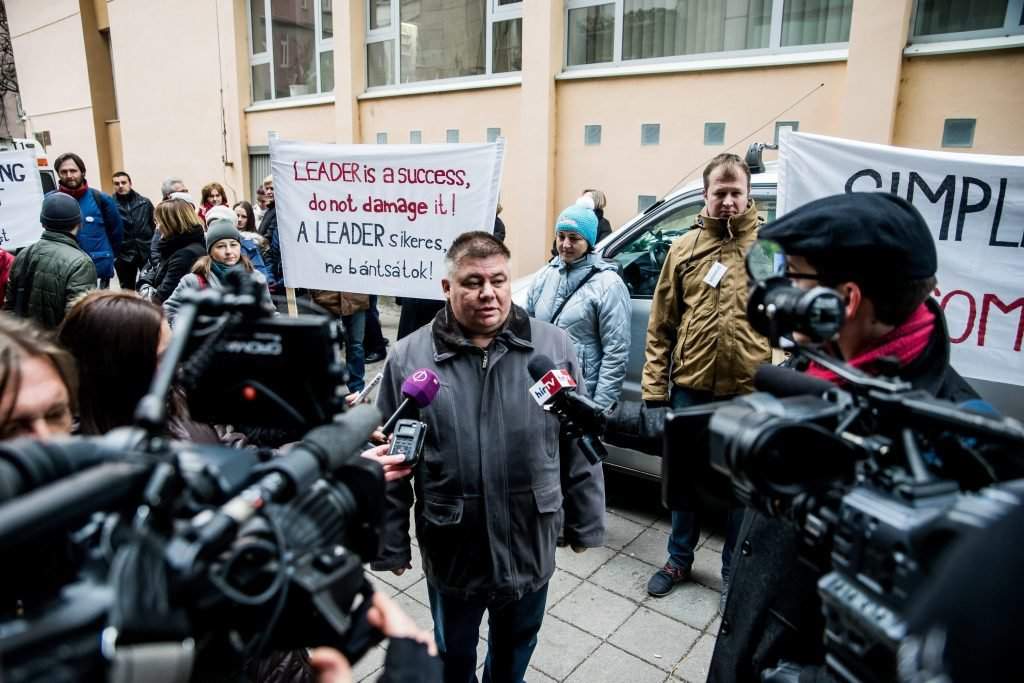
(974, 204)
(21, 197)
(378, 219)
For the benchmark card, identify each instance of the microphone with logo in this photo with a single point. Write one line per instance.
(554, 390)
(418, 390)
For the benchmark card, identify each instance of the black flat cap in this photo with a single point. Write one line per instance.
(868, 235)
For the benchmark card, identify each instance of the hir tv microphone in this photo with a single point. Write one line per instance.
(554, 390)
(419, 388)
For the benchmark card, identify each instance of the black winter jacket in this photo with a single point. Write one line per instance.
(177, 256)
(137, 219)
(268, 229)
(773, 611)
(47, 276)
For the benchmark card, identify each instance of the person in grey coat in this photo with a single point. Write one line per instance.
(583, 294)
(494, 471)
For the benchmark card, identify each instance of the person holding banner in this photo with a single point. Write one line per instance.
(489, 485)
(876, 250)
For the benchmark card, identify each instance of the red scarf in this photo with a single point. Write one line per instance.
(906, 342)
(77, 194)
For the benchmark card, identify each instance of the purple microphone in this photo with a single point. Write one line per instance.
(419, 388)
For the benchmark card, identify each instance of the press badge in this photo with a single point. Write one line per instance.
(715, 274)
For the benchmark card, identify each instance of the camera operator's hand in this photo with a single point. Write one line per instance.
(785, 672)
(330, 665)
(394, 465)
(386, 616)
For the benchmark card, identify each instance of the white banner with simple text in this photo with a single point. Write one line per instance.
(974, 204)
(378, 219)
(21, 197)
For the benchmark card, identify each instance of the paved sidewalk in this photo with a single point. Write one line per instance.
(601, 625)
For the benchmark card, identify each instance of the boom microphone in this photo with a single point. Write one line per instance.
(554, 390)
(419, 388)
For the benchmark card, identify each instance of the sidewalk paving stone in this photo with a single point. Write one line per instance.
(624, 575)
(611, 665)
(407, 579)
(561, 648)
(419, 613)
(369, 666)
(715, 543)
(535, 676)
(561, 584)
(651, 547)
(418, 592)
(695, 665)
(594, 609)
(690, 603)
(655, 638)
(707, 568)
(619, 531)
(582, 564)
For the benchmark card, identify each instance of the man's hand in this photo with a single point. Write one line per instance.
(330, 666)
(394, 465)
(579, 549)
(386, 616)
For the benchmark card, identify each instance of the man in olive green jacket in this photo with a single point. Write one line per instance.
(700, 347)
(50, 274)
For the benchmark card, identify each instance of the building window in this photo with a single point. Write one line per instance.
(714, 133)
(650, 133)
(644, 202)
(412, 41)
(784, 125)
(591, 135)
(935, 20)
(658, 29)
(958, 133)
(382, 138)
(292, 54)
(493, 134)
(415, 137)
(451, 135)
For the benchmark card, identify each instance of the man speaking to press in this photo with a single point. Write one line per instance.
(493, 474)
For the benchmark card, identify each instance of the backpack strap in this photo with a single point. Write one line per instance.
(586, 277)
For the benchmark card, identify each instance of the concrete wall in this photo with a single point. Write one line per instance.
(49, 52)
(681, 103)
(986, 86)
(171, 100)
(309, 124)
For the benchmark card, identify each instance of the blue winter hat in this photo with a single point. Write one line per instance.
(579, 217)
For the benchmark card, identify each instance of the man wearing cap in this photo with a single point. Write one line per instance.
(48, 275)
(101, 229)
(583, 294)
(700, 347)
(877, 252)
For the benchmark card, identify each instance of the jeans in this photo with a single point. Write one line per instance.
(685, 535)
(510, 641)
(355, 327)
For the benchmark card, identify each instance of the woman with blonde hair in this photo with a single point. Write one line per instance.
(182, 243)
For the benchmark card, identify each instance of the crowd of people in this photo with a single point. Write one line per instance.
(497, 487)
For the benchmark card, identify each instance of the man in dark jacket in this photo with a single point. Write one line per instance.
(268, 229)
(490, 482)
(876, 250)
(101, 232)
(137, 218)
(48, 275)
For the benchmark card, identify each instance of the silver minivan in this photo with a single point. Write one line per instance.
(641, 246)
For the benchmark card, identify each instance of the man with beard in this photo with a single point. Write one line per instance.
(101, 231)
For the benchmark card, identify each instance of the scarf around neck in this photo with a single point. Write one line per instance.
(77, 194)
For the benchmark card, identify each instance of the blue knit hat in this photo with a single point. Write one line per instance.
(579, 217)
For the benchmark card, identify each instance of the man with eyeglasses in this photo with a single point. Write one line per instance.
(877, 252)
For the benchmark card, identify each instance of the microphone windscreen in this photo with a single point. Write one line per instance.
(421, 386)
(782, 382)
(539, 365)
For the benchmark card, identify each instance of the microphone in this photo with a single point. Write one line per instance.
(419, 388)
(784, 382)
(554, 390)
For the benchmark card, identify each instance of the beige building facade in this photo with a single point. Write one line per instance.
(628, 96)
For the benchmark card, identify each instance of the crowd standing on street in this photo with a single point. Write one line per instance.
(498, 485)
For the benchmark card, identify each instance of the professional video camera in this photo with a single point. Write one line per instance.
(878, 478)
(132, 557)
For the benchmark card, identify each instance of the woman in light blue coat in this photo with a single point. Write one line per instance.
(584, 295)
